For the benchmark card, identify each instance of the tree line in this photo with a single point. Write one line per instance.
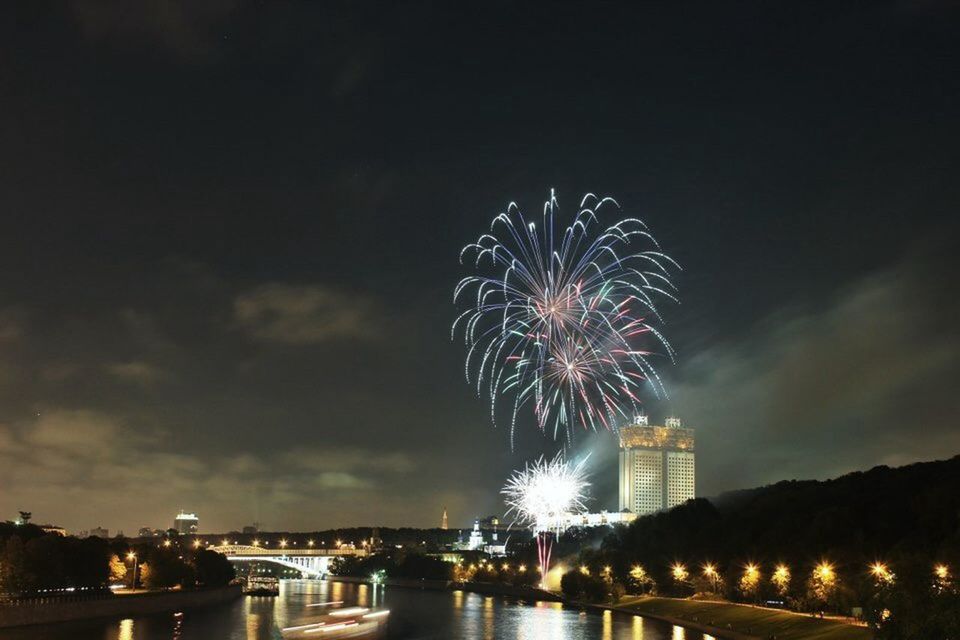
(34, 562)
(884, 543)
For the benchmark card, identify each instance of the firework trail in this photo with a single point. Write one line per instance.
(540, 495)
(565, 317)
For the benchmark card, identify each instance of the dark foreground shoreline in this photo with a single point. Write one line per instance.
(137, 604)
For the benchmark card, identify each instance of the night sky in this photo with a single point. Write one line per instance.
(231, 232)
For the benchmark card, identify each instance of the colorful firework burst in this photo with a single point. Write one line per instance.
(565, 319)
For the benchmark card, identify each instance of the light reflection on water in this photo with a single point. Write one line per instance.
(415, 615)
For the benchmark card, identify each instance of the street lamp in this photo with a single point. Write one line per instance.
(133, 556)
(881, 572)
(679, 572)
(710, 571)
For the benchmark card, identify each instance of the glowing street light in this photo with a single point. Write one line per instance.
(133, 556)
(881, 572)
(310, 543)
(256, 543)
(226, 542)
(166, 543)
(825, 572)
(522, 568)
(710, 571)
(781, 579)
(584, 570)
(283, 544)
(679, 572)
(941, 571)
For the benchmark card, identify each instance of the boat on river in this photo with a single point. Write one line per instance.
(345, 622)
(262, 586)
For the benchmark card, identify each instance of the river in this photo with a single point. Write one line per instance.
(415, 615)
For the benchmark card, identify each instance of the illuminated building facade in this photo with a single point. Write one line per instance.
(186, 523)
(657, 466)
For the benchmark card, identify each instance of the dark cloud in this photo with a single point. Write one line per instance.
(817, 390)
(76, 463)
(136, 371)
(232, 232)
(303, 314)
(181, 27)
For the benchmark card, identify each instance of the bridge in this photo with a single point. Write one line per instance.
(312, 563)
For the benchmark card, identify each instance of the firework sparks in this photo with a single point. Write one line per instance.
(541, 494)
(565, 319)
(544, 491)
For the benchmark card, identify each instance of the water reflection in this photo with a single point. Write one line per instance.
(427, 615)
(126, 629)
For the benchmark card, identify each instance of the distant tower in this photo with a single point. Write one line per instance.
(186, 523)
(656, 466)
(443, 520)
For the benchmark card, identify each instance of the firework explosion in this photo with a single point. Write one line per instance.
(565, 318)
(540, 495)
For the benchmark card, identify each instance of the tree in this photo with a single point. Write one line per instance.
(118, 570)
(45, 563)
(25, 517)
(168, 570)
(213, 569)
(143, 576)
(13, 567)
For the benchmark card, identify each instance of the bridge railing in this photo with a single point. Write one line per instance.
(250, 550)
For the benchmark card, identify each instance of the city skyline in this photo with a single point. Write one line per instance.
(232, 242)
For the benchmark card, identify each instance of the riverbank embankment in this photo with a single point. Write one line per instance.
(46, 611)
(483, 588)
(732, 621)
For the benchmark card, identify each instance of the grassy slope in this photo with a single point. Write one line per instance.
(753, 621)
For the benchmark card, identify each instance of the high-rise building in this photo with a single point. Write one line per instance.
(443, 520)
(656, 466)
(186, 523)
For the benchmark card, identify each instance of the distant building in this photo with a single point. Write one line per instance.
(54, 529)
(186, 523)
(251, 529)
(657, 466)
(602, 519)
(443, 520)
(477, 542)
(490, 522)
(97, 532)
